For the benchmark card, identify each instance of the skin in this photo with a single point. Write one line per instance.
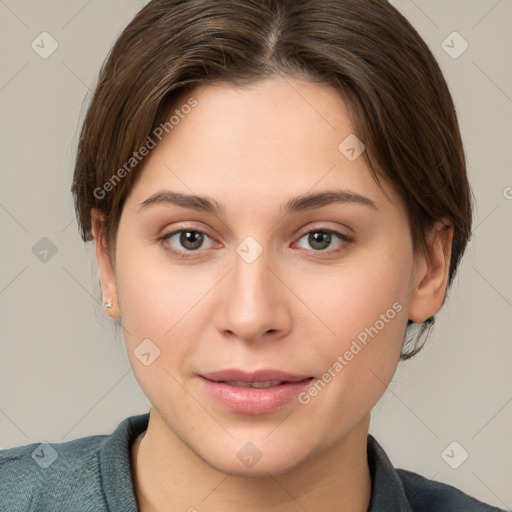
(296, 308)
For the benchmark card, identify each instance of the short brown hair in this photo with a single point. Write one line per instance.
(365, 49)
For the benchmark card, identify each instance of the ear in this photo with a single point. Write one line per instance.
(106, 271)
(431, 274)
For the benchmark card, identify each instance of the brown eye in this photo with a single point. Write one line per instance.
(191, 240)
(183, 241)
(321, 239)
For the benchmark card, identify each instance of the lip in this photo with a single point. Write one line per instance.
(249, 400)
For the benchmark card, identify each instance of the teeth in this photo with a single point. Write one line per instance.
(264, 384)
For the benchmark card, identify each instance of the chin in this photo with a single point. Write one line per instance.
(245, 458)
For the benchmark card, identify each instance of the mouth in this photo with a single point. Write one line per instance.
(254, 393)
(258, 376)
(261, 384)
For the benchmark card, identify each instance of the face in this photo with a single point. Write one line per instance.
(309, 297)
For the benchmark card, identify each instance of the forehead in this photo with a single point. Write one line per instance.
(276, 138)
(279, 113)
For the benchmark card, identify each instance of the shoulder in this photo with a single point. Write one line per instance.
(426, 495)
(39, 476)
(400, 490)
(89, 473)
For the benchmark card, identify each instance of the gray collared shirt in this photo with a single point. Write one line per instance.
(94, 474)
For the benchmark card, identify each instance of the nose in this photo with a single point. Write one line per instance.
(255, 301)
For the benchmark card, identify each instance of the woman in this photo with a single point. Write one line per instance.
(278, 200)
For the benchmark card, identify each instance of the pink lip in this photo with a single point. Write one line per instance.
(254, 400)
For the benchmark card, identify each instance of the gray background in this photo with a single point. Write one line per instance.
(64, 372)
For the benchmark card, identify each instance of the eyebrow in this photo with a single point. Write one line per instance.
(295, 204)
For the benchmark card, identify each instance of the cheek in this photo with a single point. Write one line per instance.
(159, 322)
(150, 297)
(365, 308)
(354, 298)
(161, 302)
(367, 313)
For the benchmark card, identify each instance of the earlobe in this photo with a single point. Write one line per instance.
(105, 268)
(432, 271)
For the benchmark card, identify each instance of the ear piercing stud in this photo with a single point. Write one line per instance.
(107, 303)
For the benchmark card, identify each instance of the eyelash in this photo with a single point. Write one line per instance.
(345, 241)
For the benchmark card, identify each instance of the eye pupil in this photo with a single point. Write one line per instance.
(194, 237)
(319, 237)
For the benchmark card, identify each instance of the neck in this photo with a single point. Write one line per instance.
(169, 476)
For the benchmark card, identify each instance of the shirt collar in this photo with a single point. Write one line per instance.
(115, 464)
(388, 494)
